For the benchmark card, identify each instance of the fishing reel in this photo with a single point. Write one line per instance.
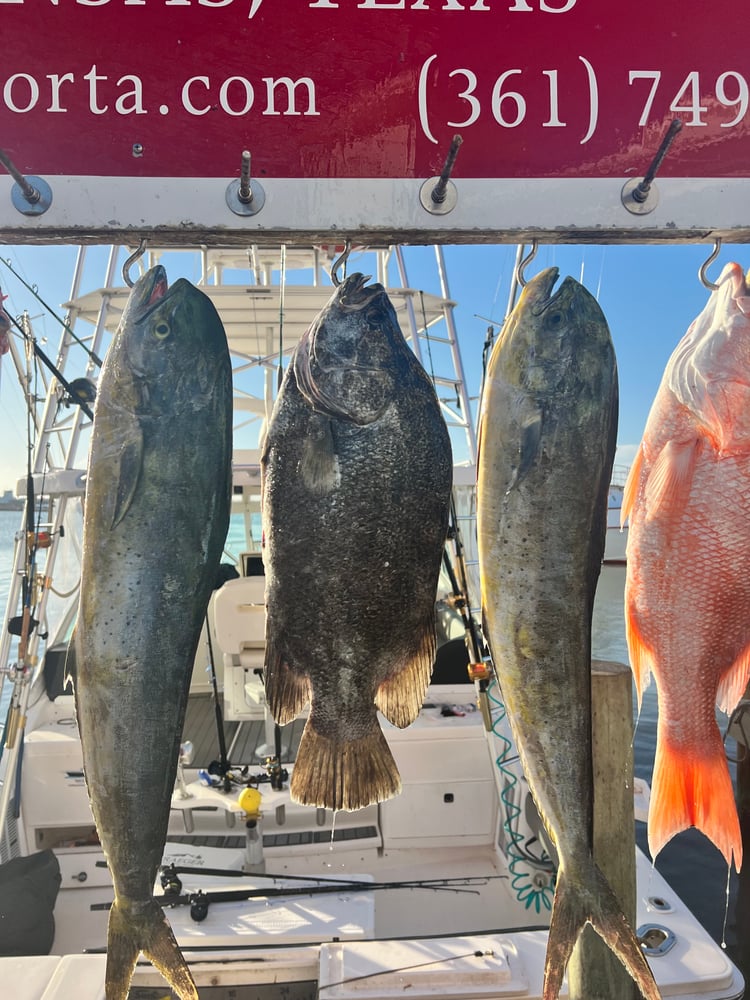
(80, 391)
(170, 881)
(15, 626)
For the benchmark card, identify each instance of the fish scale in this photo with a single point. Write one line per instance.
(357, 476)
(155, 519)
(547, 439)
(687, 591)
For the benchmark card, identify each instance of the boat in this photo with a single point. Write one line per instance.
(616, 539)
(442, 892)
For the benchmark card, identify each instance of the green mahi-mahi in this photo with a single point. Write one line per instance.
(547, 439)
(156, 516)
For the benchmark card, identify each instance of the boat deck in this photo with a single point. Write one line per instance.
(246, 741)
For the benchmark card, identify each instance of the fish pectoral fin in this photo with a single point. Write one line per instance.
(400, 696)
(149, 931)
(669, 481)
(528, 446)
(632, 486)
(693, 789)
(287, 689)
(343, 774)
(130, 463)
(733, 682)
(319, 465)
(641, 654)
(587, 897)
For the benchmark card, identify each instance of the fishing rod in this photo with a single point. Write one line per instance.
(171, 871)
(35, 292)
(282, 290)
(200, 901)
(81, 394)
(30, 541)
(16, 722)
(221, 767)
(460, 590)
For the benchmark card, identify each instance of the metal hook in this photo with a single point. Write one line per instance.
(340, 262)
(27, 198)
(130, 261)
(705, 265)
(638, 196)
(522, 265)
(245, 196)
(438, 195)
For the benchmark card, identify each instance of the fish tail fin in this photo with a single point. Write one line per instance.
(593, 902)
(148, 931)
(343, 774)
(694, 790)
(568, 920)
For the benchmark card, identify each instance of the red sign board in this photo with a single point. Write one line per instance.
(373, 88)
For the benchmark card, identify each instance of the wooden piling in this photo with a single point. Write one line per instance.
(594, 973)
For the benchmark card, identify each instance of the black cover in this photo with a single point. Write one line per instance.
(28, 890)
(59, 665)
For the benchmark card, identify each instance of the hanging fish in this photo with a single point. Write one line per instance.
(156, 516)
(687, 591)
(356, 484)
(547, 440)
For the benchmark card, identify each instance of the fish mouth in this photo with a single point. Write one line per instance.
(539, 289)
(154, 289)
(354, 293)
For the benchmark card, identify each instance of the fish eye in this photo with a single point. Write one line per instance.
(554, 318)
(162, 329)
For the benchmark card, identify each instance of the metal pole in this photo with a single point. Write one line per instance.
(409, 302)
(471, 434)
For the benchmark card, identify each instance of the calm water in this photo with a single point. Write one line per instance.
(690, 863)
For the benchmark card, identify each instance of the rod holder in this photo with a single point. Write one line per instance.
(438, 195)
(245, 196)
(29, 195)
(638, 195)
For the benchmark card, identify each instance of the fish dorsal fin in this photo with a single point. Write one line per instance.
(287, 690)
(632, 485)
(733, 682)
(401, 694)
(670, 478)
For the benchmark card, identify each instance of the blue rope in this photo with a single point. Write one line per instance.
(533, 885)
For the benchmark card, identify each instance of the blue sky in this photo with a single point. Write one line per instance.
(650, 294)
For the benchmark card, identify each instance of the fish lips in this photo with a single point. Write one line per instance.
(147, 292)
(354, 293)
(539, 290)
